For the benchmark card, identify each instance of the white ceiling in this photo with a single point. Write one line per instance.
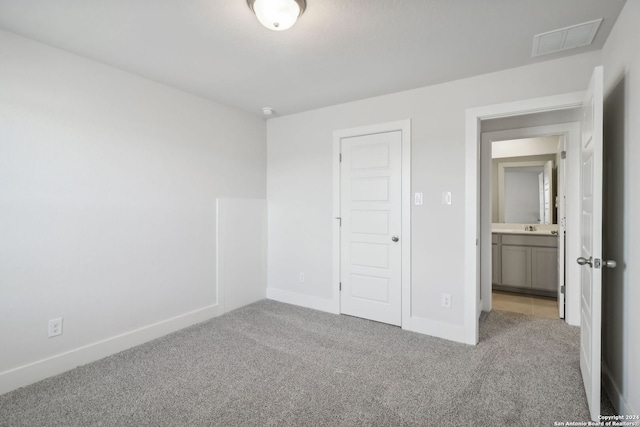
(339, 51)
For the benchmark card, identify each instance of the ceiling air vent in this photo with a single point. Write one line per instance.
(565, 38)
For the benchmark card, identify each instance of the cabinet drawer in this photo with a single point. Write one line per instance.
(520, 240)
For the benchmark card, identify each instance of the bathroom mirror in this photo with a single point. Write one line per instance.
(526, 192)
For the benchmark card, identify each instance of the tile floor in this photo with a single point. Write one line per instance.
(525, 304)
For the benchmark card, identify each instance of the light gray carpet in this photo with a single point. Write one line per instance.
(273, 364)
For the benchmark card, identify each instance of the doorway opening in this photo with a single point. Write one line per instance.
(588, 238)
(527, 212)
(479, 232)
(527, 204)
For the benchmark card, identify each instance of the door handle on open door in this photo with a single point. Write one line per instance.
(584, 261)
(598, 263)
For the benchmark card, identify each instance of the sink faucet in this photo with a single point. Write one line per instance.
(529, 228)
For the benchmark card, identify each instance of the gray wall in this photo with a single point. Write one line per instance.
(299, 187)
(108, 187)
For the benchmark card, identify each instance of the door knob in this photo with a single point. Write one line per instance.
(584, 261)
(598, 263)
(395, 239)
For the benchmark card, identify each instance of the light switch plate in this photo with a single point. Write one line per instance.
(446, 198)
(418, 199)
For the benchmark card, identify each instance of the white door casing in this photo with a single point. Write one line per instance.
(474, 116)
(561, 215)
(371, 253)
(591, 242)
(404, 126)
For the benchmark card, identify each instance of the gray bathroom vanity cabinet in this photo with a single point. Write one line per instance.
(525, 263)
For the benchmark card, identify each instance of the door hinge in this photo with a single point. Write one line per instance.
(562, 289)
(339, 218)
(340, 156)
(563, 154)
(340, 285)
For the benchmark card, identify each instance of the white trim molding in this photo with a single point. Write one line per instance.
(59, 363)
(447, 331)
(472, 190)
(302, 300)
(404, 126)
(620, 404)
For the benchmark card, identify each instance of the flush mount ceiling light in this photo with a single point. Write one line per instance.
(277, 15)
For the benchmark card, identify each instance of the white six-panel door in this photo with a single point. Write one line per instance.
(371, 216)
(591, 242)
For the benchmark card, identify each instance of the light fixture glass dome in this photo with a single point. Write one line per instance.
(277, 15)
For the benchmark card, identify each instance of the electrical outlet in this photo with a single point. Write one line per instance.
(301, 278)
(446, 300)
(55, 327)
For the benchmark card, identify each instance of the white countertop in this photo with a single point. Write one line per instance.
(541, 229)
(535, 233)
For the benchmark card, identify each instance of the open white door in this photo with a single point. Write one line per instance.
(591, 243)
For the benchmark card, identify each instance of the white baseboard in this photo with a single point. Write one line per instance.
(437, 329)
(620, 404)
(54, 365)
(416, 324)
(308, 301)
